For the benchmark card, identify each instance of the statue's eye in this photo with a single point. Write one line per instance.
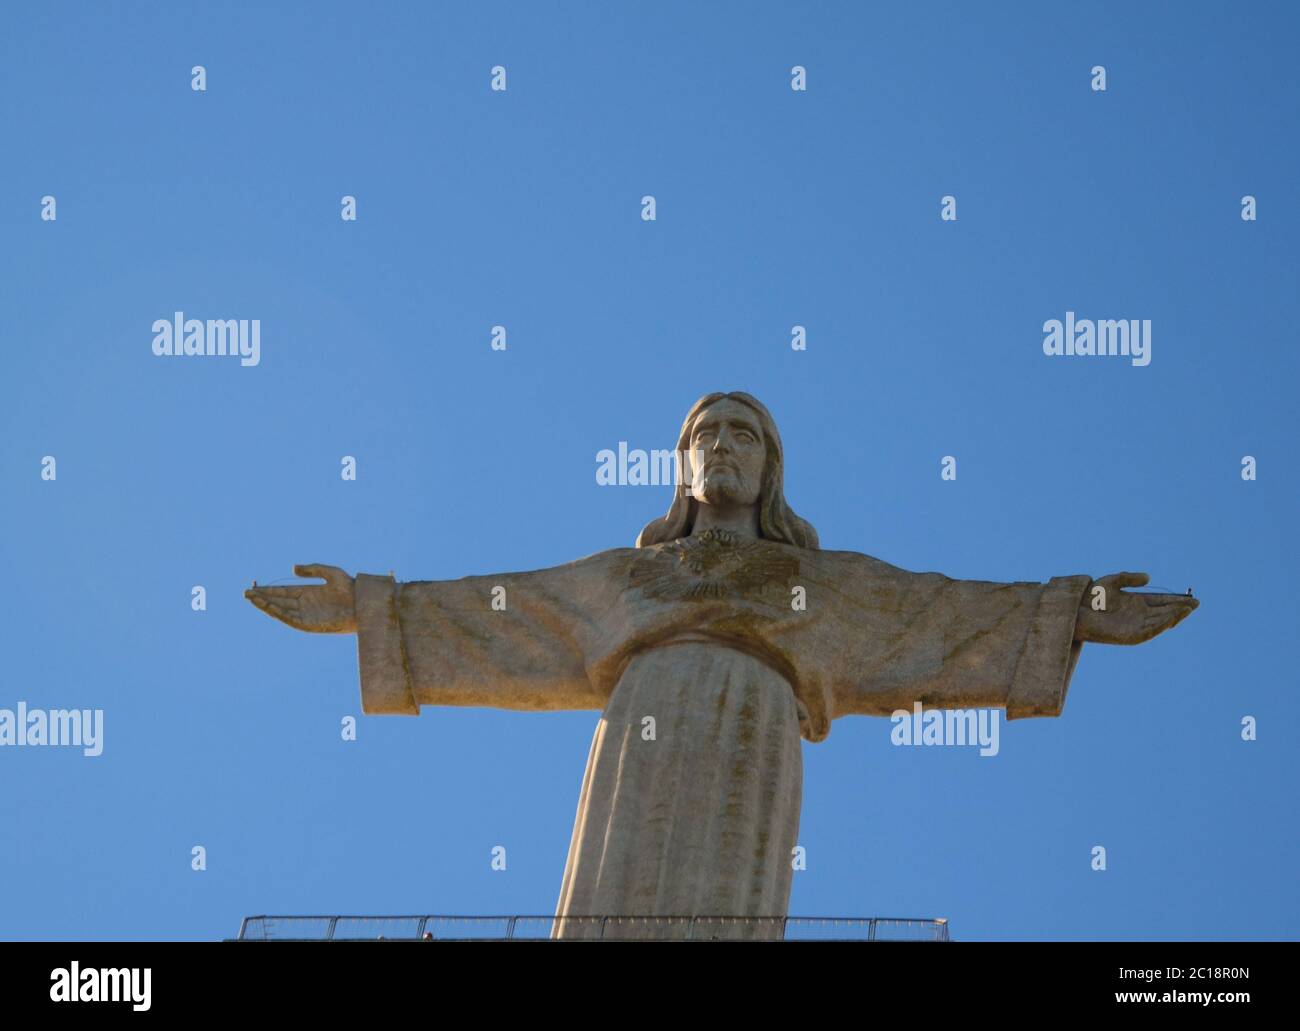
(746, 436)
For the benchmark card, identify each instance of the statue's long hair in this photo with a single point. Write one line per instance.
(776, 519)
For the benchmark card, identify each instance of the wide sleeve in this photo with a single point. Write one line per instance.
(509, 641)
(1012, 644)
(923, 637)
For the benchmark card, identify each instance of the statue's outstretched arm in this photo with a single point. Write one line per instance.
(509, 640)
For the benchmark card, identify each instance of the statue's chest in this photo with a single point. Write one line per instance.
(715, 566)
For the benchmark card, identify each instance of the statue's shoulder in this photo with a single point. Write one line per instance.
(859, 565)
(611, 558)
(606, 556)
(856, 559)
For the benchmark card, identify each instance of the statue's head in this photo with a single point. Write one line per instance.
(732, 455)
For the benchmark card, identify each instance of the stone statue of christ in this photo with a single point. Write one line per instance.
(710, 649)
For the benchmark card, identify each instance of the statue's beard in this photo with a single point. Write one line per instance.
(724, 487)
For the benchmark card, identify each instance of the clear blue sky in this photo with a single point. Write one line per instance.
(522, 208)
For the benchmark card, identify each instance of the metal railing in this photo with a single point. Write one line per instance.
(591, 928)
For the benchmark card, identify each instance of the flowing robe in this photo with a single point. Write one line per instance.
(736, 648)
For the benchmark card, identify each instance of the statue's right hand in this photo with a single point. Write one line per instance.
(327, 608)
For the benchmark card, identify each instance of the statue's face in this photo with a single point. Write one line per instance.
(729, 454)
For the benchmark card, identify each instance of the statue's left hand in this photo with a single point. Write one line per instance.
(327, 608)
(1129, 618)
